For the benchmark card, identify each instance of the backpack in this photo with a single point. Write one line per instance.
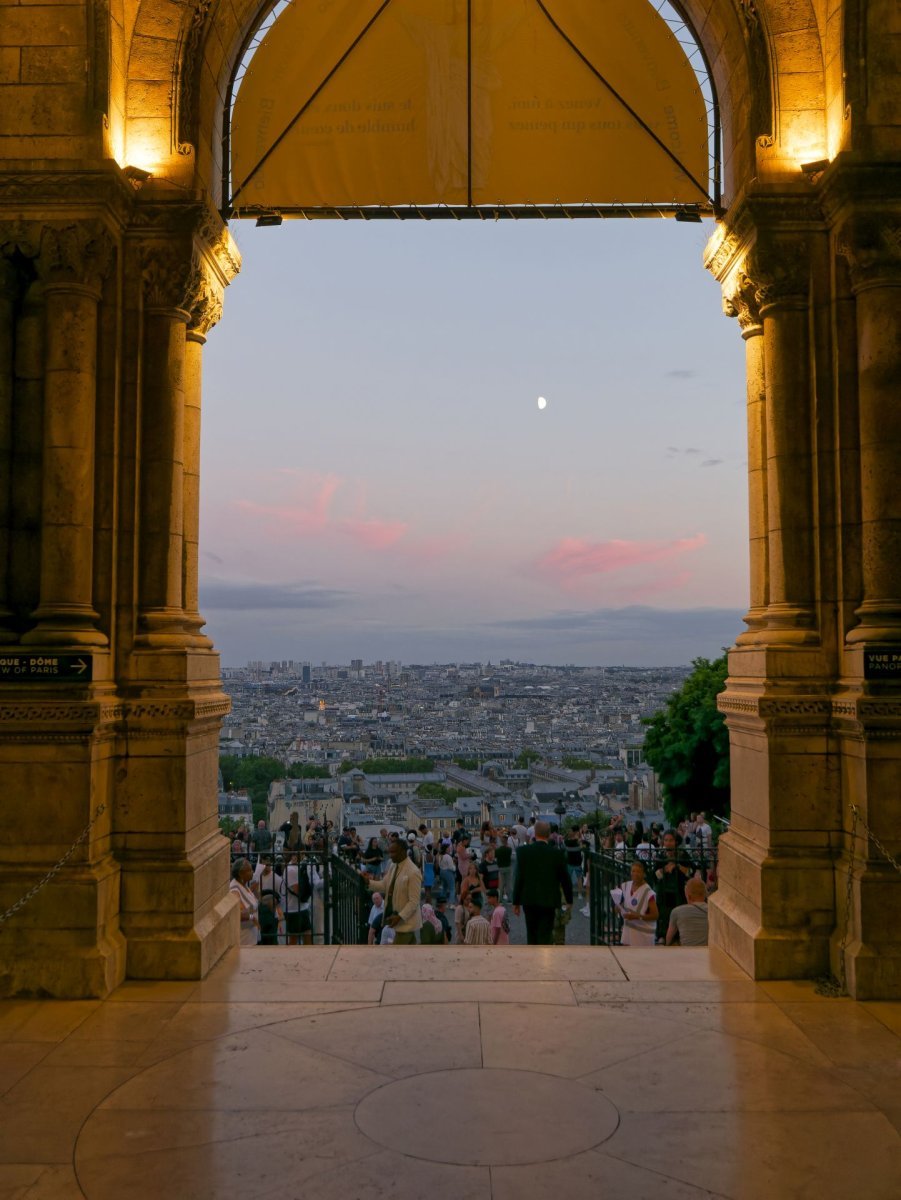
(505, 924)
(304, 887)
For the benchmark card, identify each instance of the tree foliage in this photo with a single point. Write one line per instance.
(437, 791)
(525, 758)
(688, 745)
(466, 764)
(573, 763)
(390, 766)
(308, 771)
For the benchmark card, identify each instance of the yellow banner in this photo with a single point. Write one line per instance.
(353, 103)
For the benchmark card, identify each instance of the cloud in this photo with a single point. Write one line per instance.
(633, 623)
(227, 595)
(574, 559)
(312, 516)
(711, 462)
(682, 373)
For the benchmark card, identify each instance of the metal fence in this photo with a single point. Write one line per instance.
(609, 869)
(339, 902)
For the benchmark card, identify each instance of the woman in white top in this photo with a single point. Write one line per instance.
(638, 909)
(242, 873)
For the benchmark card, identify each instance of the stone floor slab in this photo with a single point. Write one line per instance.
(394, 1040)
(691, 991)
(724, 1074)
(590, 1176)
(484, 992)
(37, 1181)
(677, 963)
(42, 1020)
(554, 1118)
(568, 1041)
(777, 1156)
(479, 963)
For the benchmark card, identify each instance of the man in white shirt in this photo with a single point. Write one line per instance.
(297, 899)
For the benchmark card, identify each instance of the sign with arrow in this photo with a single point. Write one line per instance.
(45, 668)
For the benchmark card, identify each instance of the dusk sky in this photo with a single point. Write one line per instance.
(379, 482)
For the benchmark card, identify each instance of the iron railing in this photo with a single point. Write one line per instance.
(609, 869)
(340, 901)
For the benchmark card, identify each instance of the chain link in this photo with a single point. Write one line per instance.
(54, 870)
(830, 986)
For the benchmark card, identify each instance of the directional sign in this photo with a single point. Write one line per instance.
(882, 664)
(45, 668)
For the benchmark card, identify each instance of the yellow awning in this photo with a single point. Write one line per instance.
(356, 103)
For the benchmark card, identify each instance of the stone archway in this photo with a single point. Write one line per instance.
(109, 284)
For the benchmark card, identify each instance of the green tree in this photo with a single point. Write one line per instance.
(688, 745)
(467, 764)
(308, 771)
(525, 758)
(437, 791)
(254, 774)
(390, 766)
(577, 764)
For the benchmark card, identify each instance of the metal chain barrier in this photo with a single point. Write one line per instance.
(829, 986)
(54, 870)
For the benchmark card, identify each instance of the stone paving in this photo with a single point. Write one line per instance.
(454, 1073)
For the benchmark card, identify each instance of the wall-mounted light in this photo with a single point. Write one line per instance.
(815, 168)
(268, 219)
(689, 215)
(136, 175)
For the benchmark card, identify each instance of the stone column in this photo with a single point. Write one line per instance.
(779, 267)
(10, 287)
(166, 278)
(872, 246)
(206, 310)
(73, 262)
(867, 711)
(740, 301)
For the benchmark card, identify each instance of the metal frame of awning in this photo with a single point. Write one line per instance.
(480, 212)
(709, 207)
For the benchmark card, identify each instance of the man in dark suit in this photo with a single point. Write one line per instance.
(541, 875)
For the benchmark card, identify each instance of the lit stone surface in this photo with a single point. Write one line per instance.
(622, 1088)
(553, 1119)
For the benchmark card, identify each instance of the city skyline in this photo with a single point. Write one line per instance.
(379, 479)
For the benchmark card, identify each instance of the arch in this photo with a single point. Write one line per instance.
(180, 62)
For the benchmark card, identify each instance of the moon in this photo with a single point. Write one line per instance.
(542, 403)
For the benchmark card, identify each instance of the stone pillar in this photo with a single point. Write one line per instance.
(73, 261)
(205, 312)
(867, 711)
(872, 245)
(779, 266)
(774, 909)
(10, 288)
(741, 302)
(166, 277)
(57, 736)
(177, 913)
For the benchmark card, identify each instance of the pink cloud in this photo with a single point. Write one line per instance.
(574, 560)
(312, 516)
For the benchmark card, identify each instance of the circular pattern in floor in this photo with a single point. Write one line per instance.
(555, 1118)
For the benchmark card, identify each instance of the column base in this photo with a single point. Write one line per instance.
(191, 955)
(162, 629)
(65, 626)
(755, 619)
(7, 635)
(65, 943)
(772, 913)
(879, 622)
(789, 625)
(873, 973)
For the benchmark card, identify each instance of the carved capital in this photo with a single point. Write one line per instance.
(169, 274)
(20, 239)
(740, 300)
(779, 265)
(76, 254)
(204, 302)
(218, 244)
(871, 244)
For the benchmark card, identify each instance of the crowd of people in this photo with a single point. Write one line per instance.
(436, 889)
